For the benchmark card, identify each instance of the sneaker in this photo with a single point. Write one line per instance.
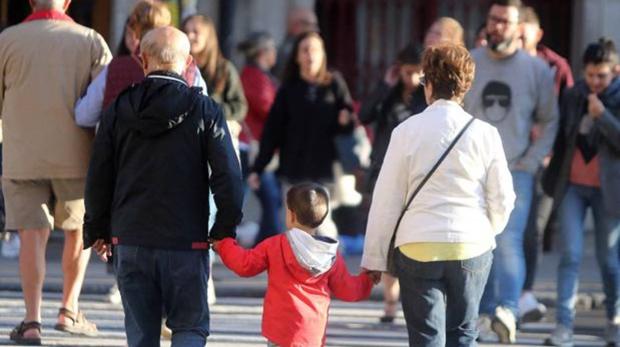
(561, 336)
(10, 246)
(505, 325)
(165, 332)
(483, 325)
(612, 333)
(114, 295)
(530, 309)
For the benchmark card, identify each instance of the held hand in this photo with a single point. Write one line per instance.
(103, 250)
(254, 181)
(595, 106)
(375, 276)
(216, 245)
(344, 117)
(392, 75)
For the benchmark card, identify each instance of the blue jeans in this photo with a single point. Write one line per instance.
(441, 299)
(508, 271)
(571, 215)
(270, 198)
(150, 279)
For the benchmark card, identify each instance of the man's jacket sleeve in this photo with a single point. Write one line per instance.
(225, 181)
(100, 183)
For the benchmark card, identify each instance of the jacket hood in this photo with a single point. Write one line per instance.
(309, 257)
(158, 104)
(610, 96)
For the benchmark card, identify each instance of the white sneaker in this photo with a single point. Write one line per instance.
(10, 246)
(561, 336)
(530, 310)
(504, 325)
(114, 295)
(483, 325)
(612, 333)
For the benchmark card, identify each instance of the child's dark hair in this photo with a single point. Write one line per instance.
(601, 52)
(309, 202)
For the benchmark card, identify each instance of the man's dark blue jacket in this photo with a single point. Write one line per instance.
(148, 181)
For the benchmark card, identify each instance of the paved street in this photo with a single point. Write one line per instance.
(236, 322)
(236, 317)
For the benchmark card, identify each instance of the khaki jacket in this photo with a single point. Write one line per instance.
(45, 66)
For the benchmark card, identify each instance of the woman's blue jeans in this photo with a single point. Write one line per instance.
(441, 299)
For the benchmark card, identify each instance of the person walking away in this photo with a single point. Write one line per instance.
(444, 192)
(147, 193)
(46, 63)
(304, 270)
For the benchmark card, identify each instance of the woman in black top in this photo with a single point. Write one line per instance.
(312, 106)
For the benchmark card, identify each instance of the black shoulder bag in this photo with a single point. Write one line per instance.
(390, 258)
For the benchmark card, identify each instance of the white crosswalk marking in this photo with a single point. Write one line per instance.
(236, 322)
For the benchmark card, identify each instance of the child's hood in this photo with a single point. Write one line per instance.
(315, 254)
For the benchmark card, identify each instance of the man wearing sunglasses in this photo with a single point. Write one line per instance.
(515, 92)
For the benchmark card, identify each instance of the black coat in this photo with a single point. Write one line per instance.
(605, 135)
(385, 109)
(302, 124)
(148, 181)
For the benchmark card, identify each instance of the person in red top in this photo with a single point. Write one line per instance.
(260, 87)
(304, 270)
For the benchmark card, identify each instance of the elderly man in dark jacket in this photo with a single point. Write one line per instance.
(147, 193)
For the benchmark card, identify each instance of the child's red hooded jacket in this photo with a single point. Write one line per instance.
(296, 303)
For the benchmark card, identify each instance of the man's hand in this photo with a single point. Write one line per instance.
(595, 106)
(375, 276)
(254, 181)
(103, 250)
(216, 245)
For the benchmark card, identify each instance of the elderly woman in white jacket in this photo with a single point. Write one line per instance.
(444, 241)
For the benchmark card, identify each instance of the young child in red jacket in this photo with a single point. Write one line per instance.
(304, 270)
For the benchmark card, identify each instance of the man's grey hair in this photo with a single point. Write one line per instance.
(49, 4)
(166, 48)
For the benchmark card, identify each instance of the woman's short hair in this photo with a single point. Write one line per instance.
(147, 15)
(601, 52)
(450, 69)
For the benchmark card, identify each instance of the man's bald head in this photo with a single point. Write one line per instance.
(165, 48)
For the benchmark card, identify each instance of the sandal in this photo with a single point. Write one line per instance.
(17, 335)
(80, 325)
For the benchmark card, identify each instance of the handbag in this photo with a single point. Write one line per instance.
(391, 267)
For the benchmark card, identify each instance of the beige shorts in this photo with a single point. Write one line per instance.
(45, 203)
